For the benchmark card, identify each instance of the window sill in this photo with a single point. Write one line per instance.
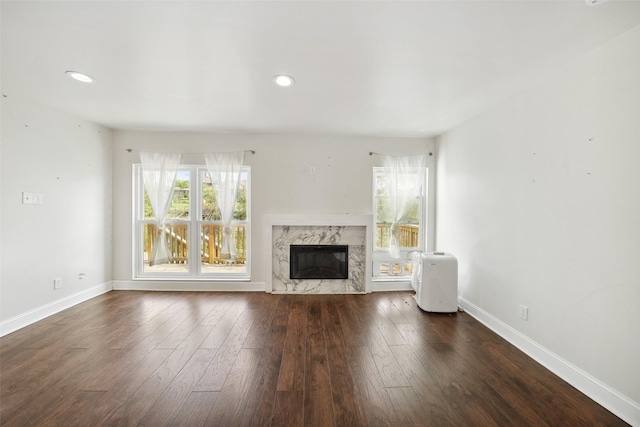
(391, 279)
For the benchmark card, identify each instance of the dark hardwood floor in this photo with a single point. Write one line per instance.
(236, 359)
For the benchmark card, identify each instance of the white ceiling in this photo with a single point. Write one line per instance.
(388, 68)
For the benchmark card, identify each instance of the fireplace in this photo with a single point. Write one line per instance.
(319, 262)
(352, 231)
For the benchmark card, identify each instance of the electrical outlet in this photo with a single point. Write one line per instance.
(31, 198)
(524, 312)
(57, 283)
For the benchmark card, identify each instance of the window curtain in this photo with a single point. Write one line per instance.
(405, 177)
(159, 172)
(225, 169)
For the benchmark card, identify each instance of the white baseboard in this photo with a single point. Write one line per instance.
(187, 286)
(231, 286)
(617, 403)
(37, 314)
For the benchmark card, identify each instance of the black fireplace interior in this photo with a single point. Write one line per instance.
(319, 262)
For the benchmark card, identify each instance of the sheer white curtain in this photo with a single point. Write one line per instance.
(225, 169)
(159, 172)
(405, 177)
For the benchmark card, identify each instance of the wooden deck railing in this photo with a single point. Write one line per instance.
(210, 235)
(409, 235)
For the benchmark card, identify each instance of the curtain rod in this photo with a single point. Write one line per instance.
(245, 151)
(373, 153)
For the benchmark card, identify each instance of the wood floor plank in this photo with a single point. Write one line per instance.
(293, 359)
(390, 371)
(269, 369)
(426, 388)
(225, 325)
(78, 403)
(257, 336)
(230, 407)
(126, 358)
(152, 333)
(195, 410)
(25, 402)
(372, 395)
(169, 404)
(353, 326)
(136, 407)
(346, 410)
(413, 410)
(223, 303)
(392, 312)
(318, 399)
(123, 389)
(288, 409)
(256, 359)
(528, 392)
(216, 374)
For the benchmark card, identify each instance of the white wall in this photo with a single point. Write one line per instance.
(68, 160)
(280, 179)
(540, 200)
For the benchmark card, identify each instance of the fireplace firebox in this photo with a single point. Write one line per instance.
(319, 262)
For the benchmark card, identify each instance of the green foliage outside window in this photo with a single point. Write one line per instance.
(179, 208)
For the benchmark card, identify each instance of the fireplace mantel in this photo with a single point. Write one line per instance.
(345, 221)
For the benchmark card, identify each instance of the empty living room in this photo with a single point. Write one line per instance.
(320, 213)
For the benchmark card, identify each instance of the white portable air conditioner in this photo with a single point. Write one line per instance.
(437, 283)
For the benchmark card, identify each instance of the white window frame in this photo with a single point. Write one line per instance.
(195, 222)
(381, 255)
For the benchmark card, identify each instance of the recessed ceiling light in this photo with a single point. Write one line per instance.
(283, 80)
(81, 77)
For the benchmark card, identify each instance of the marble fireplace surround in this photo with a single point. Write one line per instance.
(287, 229)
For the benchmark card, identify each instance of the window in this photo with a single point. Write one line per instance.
(412, 231)
(193, 229)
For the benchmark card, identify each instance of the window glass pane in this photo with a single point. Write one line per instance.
(393, 269)
(240, 211)
(211, 244)
(409, 235)
(177, 236)
(413, 217)
(383, 234)
(148, 210)
(381, 184)
(179, 208)
(383, 211)
(405, 182)
(408, 268)
(384, 269)
(210, 208)
(387, 269)
(409, 230)
(396, 269)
